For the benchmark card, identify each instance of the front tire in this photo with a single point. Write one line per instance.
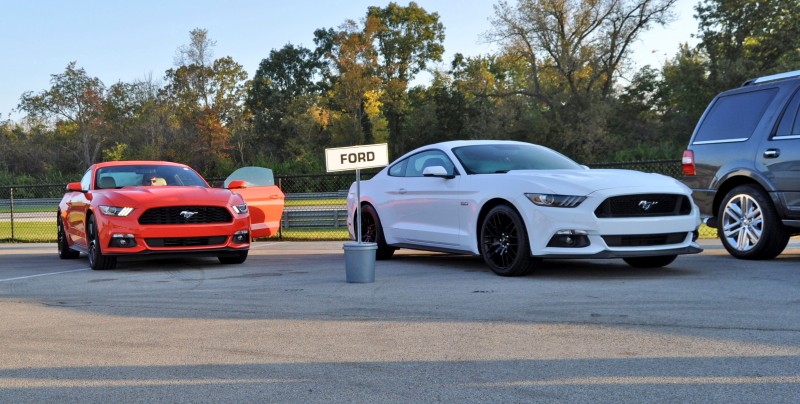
(650, 262)
(749, 227)
(97, 261)
(239, 258)
(504, 242)
(64, 252)
(372, 232)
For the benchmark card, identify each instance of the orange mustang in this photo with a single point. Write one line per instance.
(125, 208)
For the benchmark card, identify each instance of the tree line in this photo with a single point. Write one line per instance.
(563, 77)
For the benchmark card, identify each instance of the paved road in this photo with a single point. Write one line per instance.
(286, 327)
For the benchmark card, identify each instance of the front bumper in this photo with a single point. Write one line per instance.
(213, 238)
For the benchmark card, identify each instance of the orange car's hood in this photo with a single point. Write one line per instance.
(168, 196)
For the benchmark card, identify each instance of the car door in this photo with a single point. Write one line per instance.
(781, 154)
(264, 199)
(77, 205)
(423, 210)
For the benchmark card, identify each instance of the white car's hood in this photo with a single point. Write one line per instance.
(585, 182)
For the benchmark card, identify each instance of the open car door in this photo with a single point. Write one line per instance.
(264, 199)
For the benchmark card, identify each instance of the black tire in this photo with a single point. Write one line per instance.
(504, 242)
(372, 232)
(650, 262)
(239, 258)
(749, 226)
(97, 260)
(64, 252)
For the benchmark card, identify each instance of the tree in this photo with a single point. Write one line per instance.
(575, 51)
(748, 38)
(407, 39)
(354, 84)
(286, 85)
(73, 105)
(209, 96)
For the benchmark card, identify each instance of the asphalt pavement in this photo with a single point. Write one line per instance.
(285, 326)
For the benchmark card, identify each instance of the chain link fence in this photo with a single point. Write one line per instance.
(314, 205)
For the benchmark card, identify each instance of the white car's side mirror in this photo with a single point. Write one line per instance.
(436, 171)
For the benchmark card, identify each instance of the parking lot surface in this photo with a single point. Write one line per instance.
(285, 326)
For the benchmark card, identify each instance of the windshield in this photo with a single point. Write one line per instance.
(502, 158)
(147, 175)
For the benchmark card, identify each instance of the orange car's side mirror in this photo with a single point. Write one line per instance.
(236, 184)
(74, 187)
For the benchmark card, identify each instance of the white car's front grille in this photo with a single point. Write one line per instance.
(643, 205)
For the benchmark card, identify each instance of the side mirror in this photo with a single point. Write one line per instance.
(74, 187)
(236, 184)
(436, 171)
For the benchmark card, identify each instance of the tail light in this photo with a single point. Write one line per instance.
(688, 163)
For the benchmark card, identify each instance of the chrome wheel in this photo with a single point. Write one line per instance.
(742, 222)
(749, 226)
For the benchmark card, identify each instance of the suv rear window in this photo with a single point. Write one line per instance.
(734, 117)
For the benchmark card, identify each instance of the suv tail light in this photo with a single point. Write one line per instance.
(688, 163)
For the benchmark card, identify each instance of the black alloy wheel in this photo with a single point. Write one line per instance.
(97, 260)
(504, 242)
(64, 252)
(372, 232)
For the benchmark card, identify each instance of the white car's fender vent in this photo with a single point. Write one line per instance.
(644, 240)
(186, 215)
(644, 205)
(186, 241)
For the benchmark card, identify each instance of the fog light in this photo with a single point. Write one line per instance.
(569, 239)
(123, 240)
(241, 237)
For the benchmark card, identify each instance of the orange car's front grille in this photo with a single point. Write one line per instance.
(186, 215)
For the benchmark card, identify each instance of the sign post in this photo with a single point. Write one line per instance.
(359, 256)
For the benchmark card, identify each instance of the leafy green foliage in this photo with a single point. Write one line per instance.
(561, 78)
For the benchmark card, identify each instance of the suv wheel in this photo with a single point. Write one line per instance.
(749, 226)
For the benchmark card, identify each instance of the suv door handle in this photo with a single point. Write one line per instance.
(772, 153)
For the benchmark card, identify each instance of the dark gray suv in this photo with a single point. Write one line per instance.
(743, 163)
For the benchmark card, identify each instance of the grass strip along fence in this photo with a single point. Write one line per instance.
(315, 205)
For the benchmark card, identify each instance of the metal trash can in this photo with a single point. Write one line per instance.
(359, 262)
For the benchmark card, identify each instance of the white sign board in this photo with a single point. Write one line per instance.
(356, 157)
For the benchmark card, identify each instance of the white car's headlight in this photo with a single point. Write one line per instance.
(115, 210)
(240, 209)
(556, 201)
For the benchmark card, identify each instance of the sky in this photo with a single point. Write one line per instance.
(132, 40)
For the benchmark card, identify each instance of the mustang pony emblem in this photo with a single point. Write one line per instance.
(646, 205)
(187, 215)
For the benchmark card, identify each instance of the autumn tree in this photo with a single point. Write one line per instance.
(406, 39)
(354, 96)
(209, 95)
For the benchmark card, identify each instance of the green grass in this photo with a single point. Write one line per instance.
(316, 202)
(45, 232)
(30, 209)
(29, 232)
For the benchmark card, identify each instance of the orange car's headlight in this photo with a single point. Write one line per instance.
(241, 209)
(115, 210)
